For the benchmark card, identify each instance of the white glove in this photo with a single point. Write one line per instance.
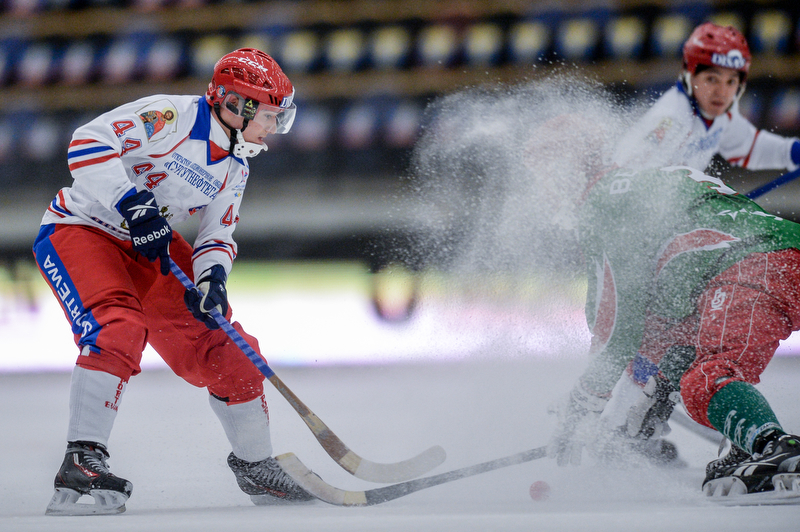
(578, 414)
(648, 416)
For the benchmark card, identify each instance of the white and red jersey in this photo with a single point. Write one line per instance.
(171, 146)
(673, 132)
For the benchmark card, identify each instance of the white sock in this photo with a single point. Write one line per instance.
(247, 427)
(93, 401)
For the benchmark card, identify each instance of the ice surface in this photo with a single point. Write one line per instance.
(168, 443)
(473, 370)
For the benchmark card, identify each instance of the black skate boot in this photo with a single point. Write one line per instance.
(84, 472)
(266, 482)
(775, 468)
(717, 468)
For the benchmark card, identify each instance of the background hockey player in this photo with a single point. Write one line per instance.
(698, 279)
(104, 247)
(699, 117)
(693, 121)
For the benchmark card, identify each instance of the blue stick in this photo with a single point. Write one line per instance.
(232, 333)
(333, 445)
(775, 183)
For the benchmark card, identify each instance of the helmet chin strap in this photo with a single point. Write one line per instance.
(240, 148)
(243, 149)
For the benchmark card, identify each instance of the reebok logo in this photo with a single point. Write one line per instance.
(152, 237)
(141, 210)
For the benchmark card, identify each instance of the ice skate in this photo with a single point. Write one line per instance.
(266, 482)
(776, 469)
(717, 468)
(85, 472)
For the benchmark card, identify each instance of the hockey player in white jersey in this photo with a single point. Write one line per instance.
(699, 117)
(690, 123)
(104, 248)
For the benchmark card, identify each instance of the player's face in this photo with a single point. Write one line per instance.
(715, 89)
(257, 129)
(264, 120)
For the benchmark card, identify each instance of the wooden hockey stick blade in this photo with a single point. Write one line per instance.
(350, 461)
(339, 497)
(347, 459)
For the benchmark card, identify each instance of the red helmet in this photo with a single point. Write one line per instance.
(713, 45)
(252, 74)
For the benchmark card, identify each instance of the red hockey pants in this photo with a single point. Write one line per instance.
(117, 302)
(741, 317)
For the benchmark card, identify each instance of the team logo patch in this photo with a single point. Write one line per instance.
(159, 119)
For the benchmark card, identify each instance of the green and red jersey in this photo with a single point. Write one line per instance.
(652, 241)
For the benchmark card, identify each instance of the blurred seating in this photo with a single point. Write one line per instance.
(344, 50)
(669, 33)
(771, 32)
(438, 46)
(577, 38)
(529, 41)
(389, 47)
(382, 65)
(625, 37)
(483, 44)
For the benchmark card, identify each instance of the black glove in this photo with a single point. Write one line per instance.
(209, 293)
(150, 233)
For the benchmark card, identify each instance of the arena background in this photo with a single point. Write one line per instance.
(323, 274)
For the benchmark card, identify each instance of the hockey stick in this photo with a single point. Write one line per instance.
(710, 435)
(338, 497)
(341, 453)
(775, 183)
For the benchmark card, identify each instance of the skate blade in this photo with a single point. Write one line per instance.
(106, 502)
(787, 484)
(269, 500)
(724, 487)
(731, 491)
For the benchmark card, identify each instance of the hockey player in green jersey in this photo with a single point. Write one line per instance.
(698, 280)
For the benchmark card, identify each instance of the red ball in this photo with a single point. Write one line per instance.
(540, 490)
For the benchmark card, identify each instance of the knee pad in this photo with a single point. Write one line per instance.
(702, 381)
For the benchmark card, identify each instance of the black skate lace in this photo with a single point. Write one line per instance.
(766, 451)
(270, 474)
(735, 456)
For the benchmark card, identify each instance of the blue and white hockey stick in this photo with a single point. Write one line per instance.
(775, 183)
(346, 458)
